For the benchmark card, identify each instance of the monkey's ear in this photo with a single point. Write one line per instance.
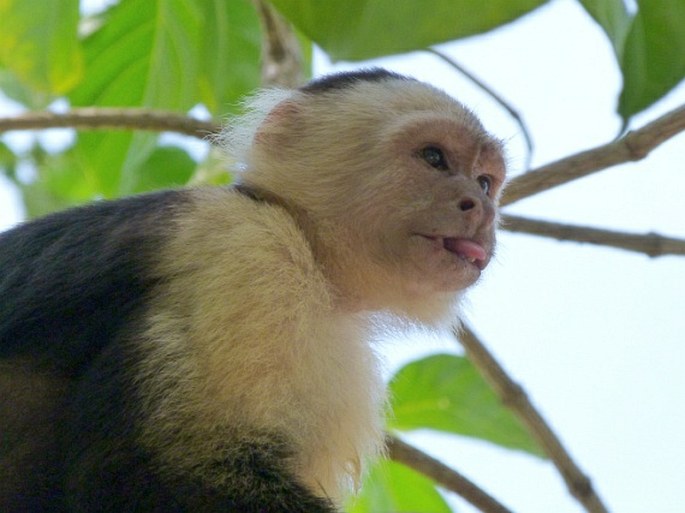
(280, 122)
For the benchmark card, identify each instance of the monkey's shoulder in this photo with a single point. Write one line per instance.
(234, 230)
(70, 282)
(231, 248)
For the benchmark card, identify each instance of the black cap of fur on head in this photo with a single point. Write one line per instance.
(345, 79)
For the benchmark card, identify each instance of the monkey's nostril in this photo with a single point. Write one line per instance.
(466, 204)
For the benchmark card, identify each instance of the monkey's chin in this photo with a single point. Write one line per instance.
(459, 276)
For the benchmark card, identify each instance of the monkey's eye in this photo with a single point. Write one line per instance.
(434, 157)
(485, 183)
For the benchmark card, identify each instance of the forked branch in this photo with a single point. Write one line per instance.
(282, 62)
(513, 396)
(635, 145)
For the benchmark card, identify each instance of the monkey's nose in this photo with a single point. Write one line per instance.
(466, 204)
(477, 210)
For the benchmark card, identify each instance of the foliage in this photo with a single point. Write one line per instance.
(166, 54)
(358, 29)
(649, 46)
(446, 393)
(394, 488)
(174, 55)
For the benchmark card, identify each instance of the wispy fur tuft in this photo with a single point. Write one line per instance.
(237, 138)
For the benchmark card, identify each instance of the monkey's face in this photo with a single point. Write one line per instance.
(432, 226)
(400, 184)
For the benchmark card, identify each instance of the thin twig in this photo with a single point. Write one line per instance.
(518, 118)
(446, 477)
(513, 396)
(651, 244)
(633, 146)
(112, 119)
(281, 51)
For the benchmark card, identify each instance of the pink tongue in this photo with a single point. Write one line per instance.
(465, 248)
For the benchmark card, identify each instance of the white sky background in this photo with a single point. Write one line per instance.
(594, 335)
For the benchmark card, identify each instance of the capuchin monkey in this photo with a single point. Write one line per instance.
(208, 349)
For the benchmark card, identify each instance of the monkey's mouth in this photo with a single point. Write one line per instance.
(466, 249)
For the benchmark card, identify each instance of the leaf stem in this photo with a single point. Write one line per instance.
(282, 61)
(518, 118)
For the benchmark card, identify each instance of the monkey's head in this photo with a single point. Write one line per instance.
(399, 181)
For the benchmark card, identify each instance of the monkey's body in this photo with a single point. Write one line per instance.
(91, 321)
(207, 350)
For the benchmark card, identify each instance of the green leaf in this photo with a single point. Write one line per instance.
(102, 155)
(394, 488)
(168, 166)
(8, 162)
(16, 90)
(653, 60)
(166, 54)
(362, 29)
(446, 393)
(230, 54)
(39, 200)
(61, 183)
(8, 159)
(171, 54)
(39, 43)
(613, 17)
(145, 54)
(64, 180)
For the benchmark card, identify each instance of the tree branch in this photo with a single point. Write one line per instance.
(281, 52)
(513, 396)
(446, 477)
(635, 145)
(651, 244)
(113, 118)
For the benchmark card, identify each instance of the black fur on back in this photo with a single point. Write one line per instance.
(347, 79)
(73, 292)
(69, 281)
